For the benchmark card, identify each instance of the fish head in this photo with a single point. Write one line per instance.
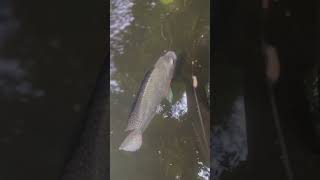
(171, 57)
(168, 61)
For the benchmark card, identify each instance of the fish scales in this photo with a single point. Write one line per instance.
(133, 118)
(150, 96)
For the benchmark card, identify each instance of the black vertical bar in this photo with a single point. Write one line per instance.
(263, 153)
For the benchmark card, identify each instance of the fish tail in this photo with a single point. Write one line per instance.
(132, 142)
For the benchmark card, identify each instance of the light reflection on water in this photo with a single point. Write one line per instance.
(230, 140)
(13, 77)
(8, 24)
(180, 108)
(114, 87)
(177, 110)
(120, 18)
(112, 67)
(13, 80)
(204, 172)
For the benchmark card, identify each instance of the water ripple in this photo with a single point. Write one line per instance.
(13, 80)
(230, 141)
(120, 18)
(180, 108)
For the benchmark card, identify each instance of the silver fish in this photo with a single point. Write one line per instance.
(155, 86)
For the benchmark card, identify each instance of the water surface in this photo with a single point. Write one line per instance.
(142, 31)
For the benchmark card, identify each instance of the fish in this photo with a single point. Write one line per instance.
(153, 89)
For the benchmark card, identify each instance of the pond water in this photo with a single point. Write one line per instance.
(49, 63)
(175, 145)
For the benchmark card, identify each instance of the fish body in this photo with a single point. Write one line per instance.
(153, 89)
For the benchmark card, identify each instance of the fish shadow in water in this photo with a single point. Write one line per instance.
(178, 74)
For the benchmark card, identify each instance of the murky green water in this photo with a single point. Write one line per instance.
(175, 143)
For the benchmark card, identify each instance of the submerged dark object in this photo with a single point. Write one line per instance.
(153, 89)
(90, 160)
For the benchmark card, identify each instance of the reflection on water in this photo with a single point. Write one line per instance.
(11, 68)
(204, 172)
(13, 78)
(48, 66)
(114, 87)
(13, 81)
(180, 107)
(8, 24)
(177, 110)
(120, 18)
(230, 140)
(141, 31)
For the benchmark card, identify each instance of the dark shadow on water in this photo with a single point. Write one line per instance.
(50, 55)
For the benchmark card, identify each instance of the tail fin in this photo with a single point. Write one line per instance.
(132, 142)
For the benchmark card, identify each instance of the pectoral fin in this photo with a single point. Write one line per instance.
(169, 95)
